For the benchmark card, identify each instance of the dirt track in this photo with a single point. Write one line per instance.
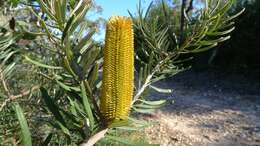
(211, 109)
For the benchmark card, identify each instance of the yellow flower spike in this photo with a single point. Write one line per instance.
(118, 70)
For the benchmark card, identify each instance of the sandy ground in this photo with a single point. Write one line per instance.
(210, 109)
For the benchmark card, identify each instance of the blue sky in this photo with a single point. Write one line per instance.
(120, 7)
(117, 7)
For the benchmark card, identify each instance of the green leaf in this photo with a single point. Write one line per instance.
(46, 9)
(202, 49)
(234, 16)
(58, 15)
(41, 64)
(8, 70)
(79, 109)
(63, 128)
(144, 110)
(127, 142)
(64, 9)
(72, 3)
(98, 86)
(14, 2)
(215, 7)
(93, 75)
(85, 39)
(154, 103)
(25, 135)
(119, 123)
(44, 25)
(145, 106)
(161, 90)
(2, 95)
(63, 85)
(68, 49)
(50, 103)
(67, 27)
(66, 87)
(79, 33)
(140, 77)
(73, 109)
(226, 7)
(47, 140)
(148, 106)
(5, 45)
(67, 66)
(217, 23)
(89, 58)
(221, 32)
(10, 54)
(142, 123)
(87, 106)
(80, 12)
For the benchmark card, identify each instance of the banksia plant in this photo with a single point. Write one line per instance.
(118, 70)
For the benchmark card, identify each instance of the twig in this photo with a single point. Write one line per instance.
(149, 78)
(22, 94)
(4, 104)
(95, 138)
(190, 7)
(25, 93)
(141, 90)
(183, 5)
(2, 78)
(46, 76)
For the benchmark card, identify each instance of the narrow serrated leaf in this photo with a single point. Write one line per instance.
(47, 140)
(144, 111)
(25, 132)
(87, 106)
(161, 90)
(50, 103)
(127, 142)
(155, 103)
(41, 64)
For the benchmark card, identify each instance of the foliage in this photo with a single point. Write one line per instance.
(242, 51)
(59, 45)
(160, 43)
(26, 135)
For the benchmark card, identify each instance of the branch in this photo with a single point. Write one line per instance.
(4, 104)
(2, 78)
(141, 90)
(150, 77)
(22, 94)
(25, 93)
(190, 7)
(95, 138)
(183, 5)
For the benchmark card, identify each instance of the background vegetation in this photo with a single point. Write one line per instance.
(241, 52)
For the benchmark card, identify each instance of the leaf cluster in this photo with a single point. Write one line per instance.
(161, 45)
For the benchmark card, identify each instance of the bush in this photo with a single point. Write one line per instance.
(65, 106)
(241, 52)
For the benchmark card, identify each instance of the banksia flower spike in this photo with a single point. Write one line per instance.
(118, 70)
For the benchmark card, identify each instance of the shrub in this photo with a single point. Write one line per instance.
(60, 47)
